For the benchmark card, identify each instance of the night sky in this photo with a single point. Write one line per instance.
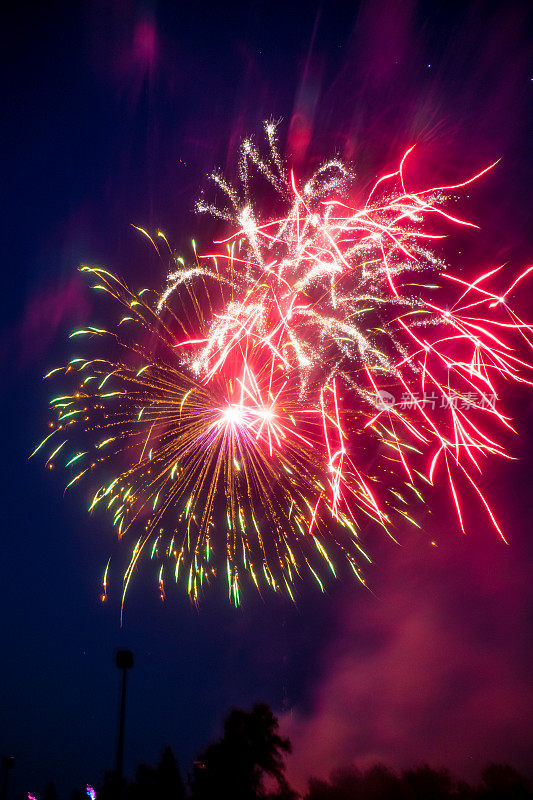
(112, 114)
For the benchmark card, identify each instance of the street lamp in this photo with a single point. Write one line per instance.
(124, 661)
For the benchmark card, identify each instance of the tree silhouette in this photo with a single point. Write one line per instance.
(158, 783)
(144, 787)
(503, 782)
(169, 781)
(424, 782)
(249, 752)
(377, 783)
(499, 782)
(464, 791)
(109, 789)
(380, 782)
(344, 784)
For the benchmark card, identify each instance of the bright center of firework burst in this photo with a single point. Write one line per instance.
(232, 415)
(239, 416)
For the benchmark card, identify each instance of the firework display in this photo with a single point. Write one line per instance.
(300, 381)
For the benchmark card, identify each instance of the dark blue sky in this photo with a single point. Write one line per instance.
(112, 114)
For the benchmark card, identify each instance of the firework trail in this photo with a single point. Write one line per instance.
(186, 459)
(243, 419)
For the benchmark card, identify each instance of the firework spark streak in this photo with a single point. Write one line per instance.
(238, 419)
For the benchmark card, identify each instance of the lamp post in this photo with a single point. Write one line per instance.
(124, 661)
(7, 766)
